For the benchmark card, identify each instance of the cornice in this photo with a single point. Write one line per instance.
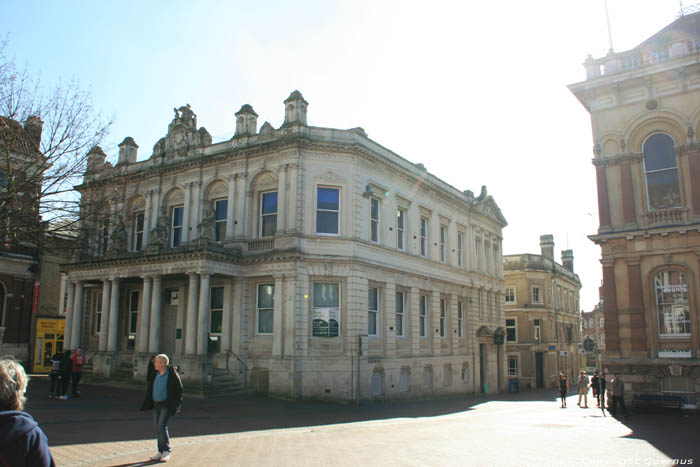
(619, 159)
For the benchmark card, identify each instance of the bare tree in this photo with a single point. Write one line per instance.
(45, 137)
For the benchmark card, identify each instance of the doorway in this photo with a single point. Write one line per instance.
(539, 370)
(482, 369)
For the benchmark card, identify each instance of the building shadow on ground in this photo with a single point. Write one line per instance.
(108, 414)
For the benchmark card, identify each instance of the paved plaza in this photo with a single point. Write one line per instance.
(105, 428)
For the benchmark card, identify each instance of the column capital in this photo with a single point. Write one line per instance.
(205, 275)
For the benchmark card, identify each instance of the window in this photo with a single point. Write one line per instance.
(460, 320)
(265, 308)
(602, 322)
(443, 318)
(374, 219)
(512, 366)
(401, 229)
(133, 310)
(268, 214)
(373, 311)
(536, 295)
(480, 303)
(399, 313)
(176, 223)
(423, 236)
(326, 310)
(460, 249)
(510, 295)
(443, 244)
(138, 231)
(422, 315)
(510, 330)
(478, 253)
(216, 309)
(98, 311)
(327, 210)
(220, 208)
(661, 172)
(672, 303)
(537, 331)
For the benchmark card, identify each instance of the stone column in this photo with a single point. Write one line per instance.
(62, 295)
(289, 331)
(77, 323)
(203, 318)
(104, 318)
(186, 213)
(147, 215)
(113, 317)
(638, 326)
(282, 200)
(144, 321)
(191, 325)
(603, 199)
(154, 330)
(413, 307)
(388, 330)
(278, 318)
(68, 326)
(435, 313)
(227, 317)
(229, 205)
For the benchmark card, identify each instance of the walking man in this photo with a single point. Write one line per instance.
(77, 370)
(583, 389)
(618, 395)
(164, 396)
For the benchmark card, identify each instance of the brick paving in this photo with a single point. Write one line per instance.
(105, 428)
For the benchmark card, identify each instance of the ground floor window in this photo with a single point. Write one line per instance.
(216, 312)
(265, 308)
(372, 311)
(326, 309)
(133, 319)
(512, 365)
(671, 289)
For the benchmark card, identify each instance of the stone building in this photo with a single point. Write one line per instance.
(301, 261)
(541, 312)
(593, 330)
(645, 114)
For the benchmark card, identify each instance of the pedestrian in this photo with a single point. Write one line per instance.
(55, 375)
(66, 369)
(583, 389)
(21, 440)
(595, 386)
(77, 370)
(601, 391)
(618, 396)
(563, 388)
(164, 396)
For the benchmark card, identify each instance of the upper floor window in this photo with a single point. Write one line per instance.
(661, 170)
(536, 297)
(511, 330)
(537, 330)
(423, 236)
(478, 253)
(374, 220)
(176, 224)
(401, 229)
(220, 208)
(138, 231)
(672, 303)
(510, 295)
(372, 311)
(460, 249)
(268, 213)
(327, 210)
(602, 322)
(443, 243)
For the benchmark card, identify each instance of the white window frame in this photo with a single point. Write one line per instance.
(460, 249)
(218, 222)
(337, 227)
(424, 229)
(400, 313)
(212, 310)
(460, 319)
(401, 229)
(537, 332)
(374, 223)
(443, 243)
(373, 313)
(516, 359)
(423, 316)
(133, 310)
(514, 327)
(602, 322)
(647, 172)
(258, 309)
(340, 301)
(443, 318)
(536, 294)
(137, 244)
(262, 216)
(176, 228)
(510, 293)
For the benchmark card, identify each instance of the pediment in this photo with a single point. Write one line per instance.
(489, 207)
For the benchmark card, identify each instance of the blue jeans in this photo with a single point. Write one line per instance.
(160, 423)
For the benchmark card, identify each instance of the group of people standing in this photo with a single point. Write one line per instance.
(599, 386)
(66, 368)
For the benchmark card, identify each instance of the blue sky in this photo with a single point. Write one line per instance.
(475, 91)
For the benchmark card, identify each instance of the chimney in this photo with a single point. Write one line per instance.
(246, 121)
(295, 109)
(567, 259)
(33, 127)
(96, 159)
(127, 151)
(547, 246)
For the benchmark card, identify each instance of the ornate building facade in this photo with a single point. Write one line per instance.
(541, 309)
(302, 261)
(645, 114)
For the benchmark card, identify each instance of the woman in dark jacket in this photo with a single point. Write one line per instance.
(164, 396)
(563, 388)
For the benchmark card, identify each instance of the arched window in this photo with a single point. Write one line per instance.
(671, 289)
(661, 172)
